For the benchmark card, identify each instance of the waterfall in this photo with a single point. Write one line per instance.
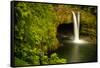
(76, 19)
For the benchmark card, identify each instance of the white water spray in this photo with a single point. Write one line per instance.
(76, 19)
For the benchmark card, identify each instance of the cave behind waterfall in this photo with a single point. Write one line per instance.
(65, 31)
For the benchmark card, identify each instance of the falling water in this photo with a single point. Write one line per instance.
(76, 19)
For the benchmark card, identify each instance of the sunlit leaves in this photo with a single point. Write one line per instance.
(54, 59)
(36, 60)
(45, 60)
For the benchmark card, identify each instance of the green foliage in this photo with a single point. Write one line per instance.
(54, 59)
(36, 29)
(45, 59)
(19, 62)
(36, 60)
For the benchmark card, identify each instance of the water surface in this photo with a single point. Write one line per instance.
(73, 52)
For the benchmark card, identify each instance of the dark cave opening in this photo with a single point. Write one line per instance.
(65, 31)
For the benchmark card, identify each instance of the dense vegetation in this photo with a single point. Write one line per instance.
(36, 29)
